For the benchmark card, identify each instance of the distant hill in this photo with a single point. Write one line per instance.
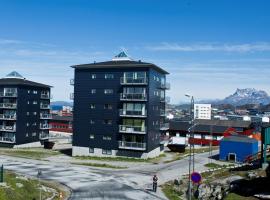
(58, 105)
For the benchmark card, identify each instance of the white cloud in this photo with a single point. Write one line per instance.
(203, 47)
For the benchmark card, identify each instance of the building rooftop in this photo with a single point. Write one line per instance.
(119, 61)
(61, 118)
(14, 78)
(239, 138)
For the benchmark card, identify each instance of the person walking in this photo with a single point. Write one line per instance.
(155, 179)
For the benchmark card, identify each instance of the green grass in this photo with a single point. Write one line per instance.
(30, 189)
(33, 153)
(170, 192)
(233, 196)
(120, 159)
(103, 165)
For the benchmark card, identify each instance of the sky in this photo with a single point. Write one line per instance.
(210, 48)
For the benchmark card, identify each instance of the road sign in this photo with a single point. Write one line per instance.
(196, 177)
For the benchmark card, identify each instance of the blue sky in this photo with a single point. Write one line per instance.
(209, 47)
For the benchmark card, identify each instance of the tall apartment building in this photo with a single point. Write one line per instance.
(24, 111)
(119, 107)
(202, 111)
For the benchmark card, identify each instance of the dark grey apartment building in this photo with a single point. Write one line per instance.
(119, 108)
(24, 111)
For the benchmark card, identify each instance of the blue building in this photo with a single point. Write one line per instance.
(119, 108)
(237, 148)
(24, 111)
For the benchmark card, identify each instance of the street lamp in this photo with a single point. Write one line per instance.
(191, 135)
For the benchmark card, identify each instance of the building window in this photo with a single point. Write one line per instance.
(34, 92)
(108, 106)
(93, 91)
(27, 113)
(92, 136)
(91, 150)
(109, 76)
(34, 113)
(34, 102)
(92, 106)
(108, 91)
(26, 135)
(107, 121)
(92, 121)
(107, 138)
(93, 76)
(29, 91)
(27, 124)
(34, 134)
(34, 124)
(106, 152)
(28, 102)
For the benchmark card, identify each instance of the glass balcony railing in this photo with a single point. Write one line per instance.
(133, 96)
(132, 129)
(45, 116)
(131, 145)
(44, 106)
(45, 126)
(72, 82)
(45, 96)
(133, 113)
(8, 94)
(8, 105)
(133, 81)
(165, 86)
(7, 117)
(43, 136)
(8, 139)
(8, 128)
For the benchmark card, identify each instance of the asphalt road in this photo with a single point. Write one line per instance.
(101, 183)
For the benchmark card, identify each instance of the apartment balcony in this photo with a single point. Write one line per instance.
(132, 129)
(8, 94)
(10, 140)
(71, 96)
(7, 117)
(132, 145)
(45, 116)
(45, 96)
(164, 126)
(133, 81)
(7, 128)
(72, 82)
(45, 126)
(45, 106)
(43, 136)
(133, 97)
(8, 105)
(133, 113)
(165, 86)
(162, 113)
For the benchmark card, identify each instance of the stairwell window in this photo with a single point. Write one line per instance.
(93, 91)
(106, 152)
(108, 91)
(92, 106)
(108, 106)
(107, 121)
(92, 136)
(91, 150)
(109, 76)
(93, 76)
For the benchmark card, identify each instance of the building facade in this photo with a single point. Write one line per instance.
(202, 111)
(119, 108)
(24, 111)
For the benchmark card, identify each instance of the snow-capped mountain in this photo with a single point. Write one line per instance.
(247, 96)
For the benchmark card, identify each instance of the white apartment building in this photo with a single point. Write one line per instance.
(202, 111)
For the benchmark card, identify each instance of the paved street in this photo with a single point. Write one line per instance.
(100, 183)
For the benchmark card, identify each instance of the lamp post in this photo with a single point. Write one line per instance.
(191, 149)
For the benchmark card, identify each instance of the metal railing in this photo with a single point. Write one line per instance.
(131, 145)
(133, 81)
(132, 129)
(8, 94)
(71, 96)
(8, 128)
(165, 86)
(133, 96)
(7, 117)
(44, 106)
(7, 139)
(8, 105)
(43, 135)
(162, 113)
(45, 116)
(133, 113)
(164, 126)
(45, 126)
